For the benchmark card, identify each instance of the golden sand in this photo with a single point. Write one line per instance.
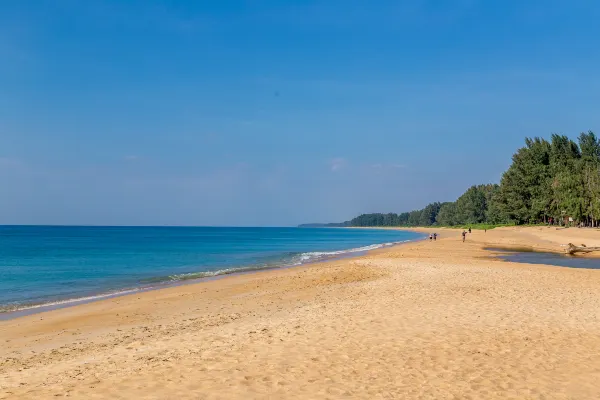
(431, 320)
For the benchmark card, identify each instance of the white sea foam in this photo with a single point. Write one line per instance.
(319, 255)
(300, 259)
(303, 258)
(210, 274)
(22, 307)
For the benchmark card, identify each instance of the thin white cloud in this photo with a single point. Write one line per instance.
(337, 164)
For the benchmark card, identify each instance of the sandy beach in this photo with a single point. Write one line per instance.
(424, 320)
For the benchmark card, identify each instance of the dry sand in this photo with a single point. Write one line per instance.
(439, 320)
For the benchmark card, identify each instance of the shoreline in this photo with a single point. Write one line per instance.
(32, 309)
(422, 319)
(544, 246)
(344, 254)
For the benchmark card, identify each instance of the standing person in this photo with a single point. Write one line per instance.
(434, 236)
(469, 229)
(430, 237)
(464, 235)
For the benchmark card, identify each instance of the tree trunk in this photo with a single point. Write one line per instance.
(572, 249)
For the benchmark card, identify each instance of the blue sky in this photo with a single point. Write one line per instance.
(277, 112)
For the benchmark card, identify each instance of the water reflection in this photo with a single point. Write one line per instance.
(529, 256)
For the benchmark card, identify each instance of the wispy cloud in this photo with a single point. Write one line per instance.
(337, 164)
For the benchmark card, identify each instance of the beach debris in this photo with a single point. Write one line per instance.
(571, 249)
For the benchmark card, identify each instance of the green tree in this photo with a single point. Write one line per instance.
(567, 183)
(471, 206)
(525, 193)
(414, 218)
(546, 179)
(429, 214)
(447, 214)
(494, 213)
(589, 145)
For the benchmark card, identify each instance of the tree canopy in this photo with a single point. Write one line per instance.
(547, 182)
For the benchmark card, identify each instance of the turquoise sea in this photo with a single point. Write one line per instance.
(50, 265)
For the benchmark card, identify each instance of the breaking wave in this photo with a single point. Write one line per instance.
(294, 259)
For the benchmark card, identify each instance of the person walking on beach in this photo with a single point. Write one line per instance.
(469, 229)
(430, 237)
(434, 236)
(464, 235)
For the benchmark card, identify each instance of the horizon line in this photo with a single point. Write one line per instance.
(149, 226)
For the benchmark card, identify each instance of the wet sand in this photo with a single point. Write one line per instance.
(425, 320)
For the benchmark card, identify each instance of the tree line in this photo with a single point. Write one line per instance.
(551, 182)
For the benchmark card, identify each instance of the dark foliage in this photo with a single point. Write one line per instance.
(552, 181)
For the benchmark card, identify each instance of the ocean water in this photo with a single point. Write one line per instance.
(42, 265)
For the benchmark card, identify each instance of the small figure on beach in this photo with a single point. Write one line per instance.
(434, 236)
(469, 229)
(464, 235)
(430, 237)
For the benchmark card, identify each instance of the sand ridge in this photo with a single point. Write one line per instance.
(422, 320)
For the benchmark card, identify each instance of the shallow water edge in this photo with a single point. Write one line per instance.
(335, 256)
(528, 255)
